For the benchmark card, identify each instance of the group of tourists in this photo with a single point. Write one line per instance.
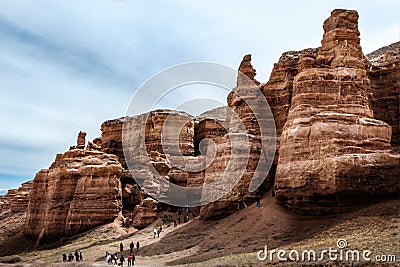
(77, 256)
(157, 232)
(115, 259)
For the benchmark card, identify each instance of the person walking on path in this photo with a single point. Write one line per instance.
(131, 246)
(76, 255)
(175, 224)
(121, 260)
(155, 232)
(64, 257)
(121, 247)
(133, 259)
(130, 260)
(80, 256)
(137, 246)
(109, 259)
(115, 259)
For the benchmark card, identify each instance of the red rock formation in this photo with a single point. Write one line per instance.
(178, 138)
(246, 72)
(332, 150)
(278, 92)
(16, 200)
(146, 213)
(384, 74)
(81, 141)
(80, 190)
(242, 114)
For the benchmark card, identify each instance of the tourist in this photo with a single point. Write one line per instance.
(109, 259)
(70, 257)
(133, 259)
(160, 228)
(155, 232)
(76, 255)
(258, 203)
(175, 224)
(80, 256)
(158, 232)
(64, 257)
(137, 246)
(130, 260)
(131, 246)
(121, 260)
(121, 247)
(115, 259)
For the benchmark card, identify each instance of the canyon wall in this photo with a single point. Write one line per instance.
(80, 190)
(16, 200)
(384, 74)
(333, 153)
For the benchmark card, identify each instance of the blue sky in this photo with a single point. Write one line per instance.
(67, 66)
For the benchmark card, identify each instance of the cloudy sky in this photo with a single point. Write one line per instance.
(69, 65)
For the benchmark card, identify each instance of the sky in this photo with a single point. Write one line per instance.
(67, 66)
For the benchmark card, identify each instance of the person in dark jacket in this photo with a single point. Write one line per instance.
(137, 246)
(121, 247)
(121, 260)
(76, 255)
(131, 246)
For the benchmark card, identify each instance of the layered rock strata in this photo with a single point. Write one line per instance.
(333, 153)
(16, 200)
(80, 190)
(246, 111)
(384, 74)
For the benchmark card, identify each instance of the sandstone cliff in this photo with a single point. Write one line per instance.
(16, 200)
(247, 110)
(333, 153)
(384, 74)
(80, 190)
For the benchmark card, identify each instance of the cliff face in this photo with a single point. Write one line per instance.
(16, 200)
(246, 111)
(333, 152)
(80, 190)
(384, 74)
